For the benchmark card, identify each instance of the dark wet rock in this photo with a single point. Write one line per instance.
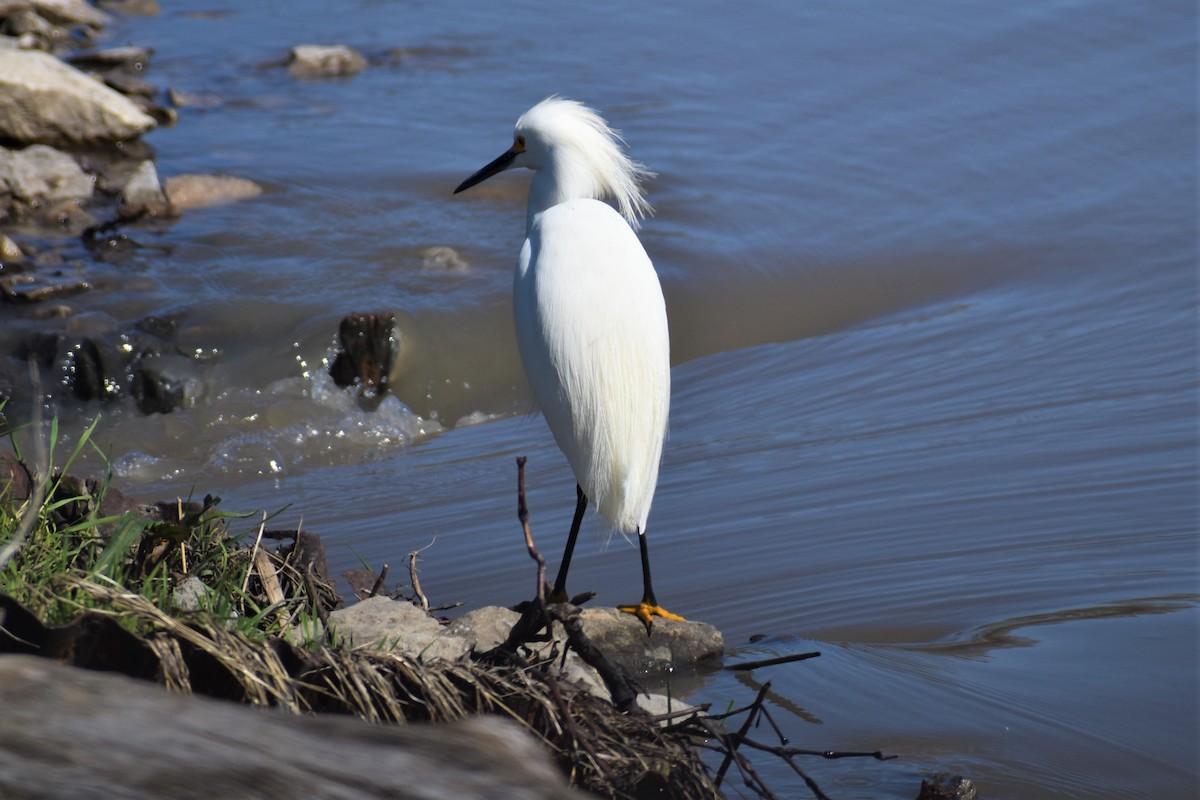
(16, 481)
(111, 58)
(143, 194)
(187, 192)
(90, 372)
(325, 61)
(38, 288)
(96, 361)
(367, 342)
(943, 786)
(133, 740)
(40, 172)
(45, 101)
(155, 392)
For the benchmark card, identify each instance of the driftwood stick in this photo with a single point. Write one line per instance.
(770, 662)
(412, 576)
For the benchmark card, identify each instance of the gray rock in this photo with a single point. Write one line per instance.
(484, 628)
(40, 172)
(671, 645)
(189, 593)
(67, 732)
(399, 627)
(188, 192)
(143, 194)
(325, 61)
(381, 621)
(44, 100)
(659, 704)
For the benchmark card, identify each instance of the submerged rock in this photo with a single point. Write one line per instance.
(442, 259)
(325, 61)
(44, 100)
(186, 192)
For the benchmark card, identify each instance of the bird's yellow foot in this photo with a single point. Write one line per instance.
(647, 611)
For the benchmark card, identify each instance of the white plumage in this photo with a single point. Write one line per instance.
(590, 318)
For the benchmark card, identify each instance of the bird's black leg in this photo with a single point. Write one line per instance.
(647, 587)
(559, 593)
(649, 607)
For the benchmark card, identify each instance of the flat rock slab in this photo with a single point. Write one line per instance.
(68, 732)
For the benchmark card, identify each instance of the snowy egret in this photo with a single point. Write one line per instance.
(590, 318)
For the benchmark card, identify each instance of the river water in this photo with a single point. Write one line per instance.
(931, 278)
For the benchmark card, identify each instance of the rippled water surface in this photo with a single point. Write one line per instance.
(931, 275)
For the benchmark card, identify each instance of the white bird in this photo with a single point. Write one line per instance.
(590, 318)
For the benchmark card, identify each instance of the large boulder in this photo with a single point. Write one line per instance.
(46, 101)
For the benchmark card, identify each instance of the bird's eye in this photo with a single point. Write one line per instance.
(519, 144)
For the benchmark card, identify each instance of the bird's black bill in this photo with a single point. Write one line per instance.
(499, 165)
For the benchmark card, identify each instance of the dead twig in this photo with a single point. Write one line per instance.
(412, 575)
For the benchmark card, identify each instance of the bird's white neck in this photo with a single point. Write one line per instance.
(564, 178)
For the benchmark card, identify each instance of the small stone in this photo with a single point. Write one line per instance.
(187, 192)
(143, 195)
(189, 594)
(325, 61)
(9, 250)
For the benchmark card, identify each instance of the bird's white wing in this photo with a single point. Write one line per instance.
(592, 331)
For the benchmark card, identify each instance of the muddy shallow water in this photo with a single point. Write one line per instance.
(930, 273)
